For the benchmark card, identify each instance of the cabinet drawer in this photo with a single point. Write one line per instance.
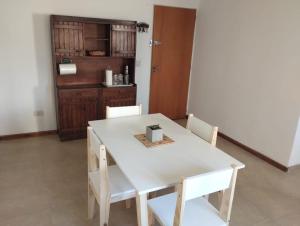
(116, 97)
(118, 92)
(77, 94)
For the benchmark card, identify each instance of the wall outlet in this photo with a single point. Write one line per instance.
(38, 113)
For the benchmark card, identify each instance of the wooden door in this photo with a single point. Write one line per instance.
(173, 34)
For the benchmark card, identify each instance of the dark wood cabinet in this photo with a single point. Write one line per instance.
(82, 97)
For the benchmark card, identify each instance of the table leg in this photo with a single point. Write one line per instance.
(142, 209)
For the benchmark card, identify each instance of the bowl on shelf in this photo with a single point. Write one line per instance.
(96, 53)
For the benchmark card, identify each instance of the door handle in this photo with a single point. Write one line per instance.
(155, 69)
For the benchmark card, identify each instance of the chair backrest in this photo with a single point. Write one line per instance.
(204, 184)
(115, 112)
(207, 183)
(202, 129)
(97, 158)
(93, 145)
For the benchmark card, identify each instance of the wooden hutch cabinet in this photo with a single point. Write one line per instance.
(83, 97)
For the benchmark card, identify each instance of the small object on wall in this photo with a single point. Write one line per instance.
(142, 27)
(66, 61)
(108, 77)
(154, 133)
(67, 69)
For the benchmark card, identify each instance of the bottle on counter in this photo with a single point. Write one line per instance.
(115, 79)
(126, 75)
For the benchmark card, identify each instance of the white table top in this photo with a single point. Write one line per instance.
(151, 169)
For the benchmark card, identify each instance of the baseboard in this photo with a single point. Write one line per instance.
(25, 135)
(246, 148)
(255, 152)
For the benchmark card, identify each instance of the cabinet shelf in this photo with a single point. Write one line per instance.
(87, 57)
(96, 39)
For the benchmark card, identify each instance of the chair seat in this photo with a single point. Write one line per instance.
(197, 212)
(120, 187)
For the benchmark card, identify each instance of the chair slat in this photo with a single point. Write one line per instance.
(115, 112)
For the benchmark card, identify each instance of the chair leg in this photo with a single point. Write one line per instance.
(220, 196)
(91, 203)
(107, 211)
(104, 212)
(128, 203)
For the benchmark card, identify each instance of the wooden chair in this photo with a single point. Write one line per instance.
(202, 129)
(106, 184)
(116, 112)
(187, 207)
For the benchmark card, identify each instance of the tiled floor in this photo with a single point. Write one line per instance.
(44, 182)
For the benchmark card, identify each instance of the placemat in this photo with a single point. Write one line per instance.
(142, 138)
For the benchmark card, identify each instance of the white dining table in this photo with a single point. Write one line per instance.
(156, 168)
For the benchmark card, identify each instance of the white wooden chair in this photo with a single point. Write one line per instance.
(187, 207)
(116, 112)
(202, 129)
(106, 184)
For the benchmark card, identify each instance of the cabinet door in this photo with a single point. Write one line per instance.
(123, 42)
(117, 97)
(68, 38)
(76, 108)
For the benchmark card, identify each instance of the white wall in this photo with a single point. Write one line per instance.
(26, 84)
(246, 72)
(295, 155)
